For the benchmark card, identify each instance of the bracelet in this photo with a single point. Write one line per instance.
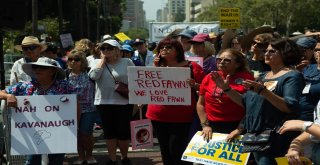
(227, 90)
(205, 124)
(261, 89)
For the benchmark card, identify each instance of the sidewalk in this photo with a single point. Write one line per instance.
(150, 156)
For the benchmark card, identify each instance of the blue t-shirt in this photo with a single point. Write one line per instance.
(309, 100)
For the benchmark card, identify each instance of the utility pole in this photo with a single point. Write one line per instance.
(60, 16)
(34, 17)
(98, 20)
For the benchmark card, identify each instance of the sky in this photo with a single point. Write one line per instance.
(151, 7)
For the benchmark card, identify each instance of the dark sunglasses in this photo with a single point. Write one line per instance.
(31, 48)
(224, 60)
(108, 48)
(316, 50)
(74, 59)
(260, 45)
(167, 47)
(39, 67)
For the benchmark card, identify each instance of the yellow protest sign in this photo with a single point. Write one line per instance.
(122, 37)
(284, 161)
(230, 18)
(216, 151)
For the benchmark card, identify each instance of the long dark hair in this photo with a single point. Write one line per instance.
(177, 46)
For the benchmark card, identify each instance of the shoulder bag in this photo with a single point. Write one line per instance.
(120, 87)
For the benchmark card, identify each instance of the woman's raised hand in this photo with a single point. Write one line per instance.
(220, 82)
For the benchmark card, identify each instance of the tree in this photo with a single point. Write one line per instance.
(286, 15)
(137, 33)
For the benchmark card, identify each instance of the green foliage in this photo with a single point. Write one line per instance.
(137, 33)
(51, 27)
(286, 15)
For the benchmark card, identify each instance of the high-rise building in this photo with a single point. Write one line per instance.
(176, 10)
(134, 15)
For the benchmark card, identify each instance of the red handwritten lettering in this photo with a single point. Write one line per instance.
(149, 74)
(140, 92)
(158, 92)
(157, 98)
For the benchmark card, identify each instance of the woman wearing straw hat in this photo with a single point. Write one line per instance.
(47, 79)
(31, 48)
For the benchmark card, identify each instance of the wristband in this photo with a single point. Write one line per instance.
(306, 125)
(227, 90)
(261, 89)
(205, 124)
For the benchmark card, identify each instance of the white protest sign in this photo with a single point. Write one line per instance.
(198, 60)
(66, 40)
(44, 124)
(216, 151)
(159, 85)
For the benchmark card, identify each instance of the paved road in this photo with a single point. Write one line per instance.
(150, 156)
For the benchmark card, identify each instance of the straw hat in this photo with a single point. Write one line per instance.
(247, 40)
(44, 61)
(227, 39)
(31, 40)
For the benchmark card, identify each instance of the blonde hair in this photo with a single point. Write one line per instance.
(84, 45)
(79, 54)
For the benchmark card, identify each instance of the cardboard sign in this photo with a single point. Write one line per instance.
(141, 134)
(230, 18)
(122, 37)
(159, 85)
(198, 60)
(44, 124)
(216, 151)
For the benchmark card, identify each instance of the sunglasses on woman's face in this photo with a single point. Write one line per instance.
(74, 59)
(34, 67)
(260, 45)
(108, 48)
(223, 60)
(166, 47)
(31, 48)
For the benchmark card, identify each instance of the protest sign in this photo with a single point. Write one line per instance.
(159, 85)
(66, 40)
(230, 18)
(122, 37)
(198, 60)
(216, 151)
(141, 134)
(284, 161)
(44, 124)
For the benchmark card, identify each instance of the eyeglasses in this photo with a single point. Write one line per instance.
(260, 45)
(235, 43)
(167, 47)
(271, 52)
(34, 67)
(223, 60)
(74, 59)
(108, 48)
(31, 48)
(316, 50)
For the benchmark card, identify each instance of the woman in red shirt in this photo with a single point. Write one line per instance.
(172, 123)
(217, 112)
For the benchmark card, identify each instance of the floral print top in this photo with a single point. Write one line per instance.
(84, 87)
(32, 88)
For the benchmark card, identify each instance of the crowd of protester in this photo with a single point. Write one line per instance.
(248, 84)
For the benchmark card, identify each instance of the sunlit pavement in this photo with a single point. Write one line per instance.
(150, 156)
